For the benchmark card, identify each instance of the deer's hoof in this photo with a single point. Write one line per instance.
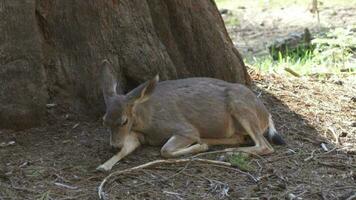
(103, 168)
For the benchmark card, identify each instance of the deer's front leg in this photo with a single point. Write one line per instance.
(130, 144)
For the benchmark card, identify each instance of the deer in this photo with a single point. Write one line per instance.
(184, 116)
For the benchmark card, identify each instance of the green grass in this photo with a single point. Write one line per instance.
(333, 52)
(241, 161)
(232, 21)
(233, 4)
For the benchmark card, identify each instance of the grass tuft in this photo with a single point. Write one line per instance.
(332, 52)
(241, 161)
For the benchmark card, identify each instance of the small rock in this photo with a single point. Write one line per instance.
(8, 173)
(290, 152)
(344, 134)
(323, 146)
(291, 196)
(353, 99)
(4, 144)
(224, 11)
(353, 124)
(51, 105)
(221, 158)
(339, 82)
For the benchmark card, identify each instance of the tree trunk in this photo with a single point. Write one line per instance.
(50, 50)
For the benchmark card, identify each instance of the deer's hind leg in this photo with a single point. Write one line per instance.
(236, 139)
(179, 145)
(249, 121)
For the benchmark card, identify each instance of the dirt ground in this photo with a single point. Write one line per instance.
(252, 28)
(58, 161)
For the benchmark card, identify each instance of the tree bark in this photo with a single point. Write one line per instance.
(50, 50)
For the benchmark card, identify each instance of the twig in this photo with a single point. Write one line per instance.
(285, 157)
(310, 157)
(287, 69)
(3, 144)
(260, 169)
(334, 134)
(177, 195)
(22, 189)
(352, 197)
(265, 176)
(149, 164)
(75, 125)
(65, 186)
(327, 74)
(232, 150)
(237, 170)
(215, 185)
(313, 141)
(166, 178)
(330, 151)
(73, 197)
(336, 165)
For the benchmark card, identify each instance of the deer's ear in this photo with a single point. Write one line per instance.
(143, 92)
(108, 80)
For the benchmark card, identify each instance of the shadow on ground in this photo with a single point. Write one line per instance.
(58, 162)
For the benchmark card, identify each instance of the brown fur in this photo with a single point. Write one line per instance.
(183, 116)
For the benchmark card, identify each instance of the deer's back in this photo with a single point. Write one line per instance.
(184, 106)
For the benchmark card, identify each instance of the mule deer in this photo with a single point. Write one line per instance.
(186, 116)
